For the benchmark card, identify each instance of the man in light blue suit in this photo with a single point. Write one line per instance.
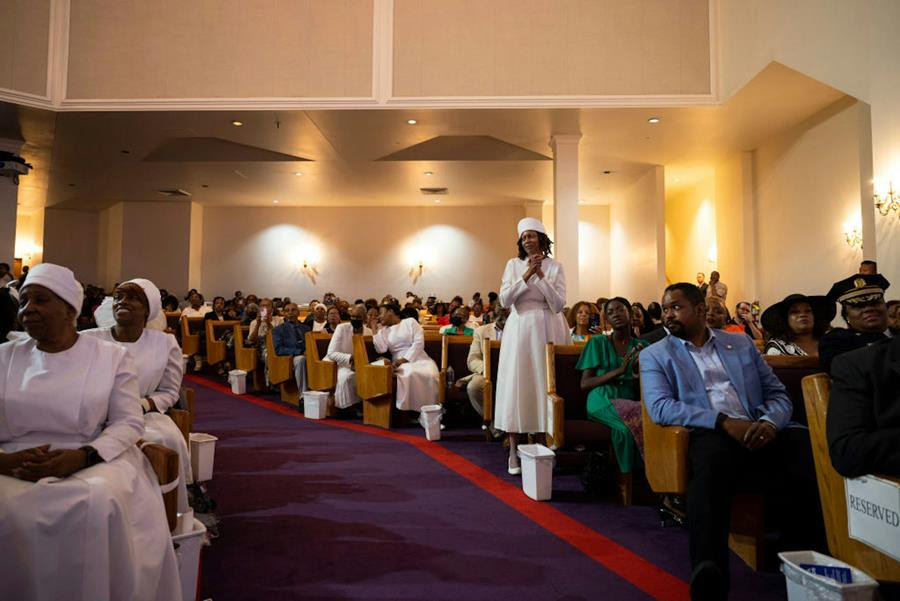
(717, 384)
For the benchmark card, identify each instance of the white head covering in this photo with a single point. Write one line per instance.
(530, 223)
(105, 317)
(59, 280)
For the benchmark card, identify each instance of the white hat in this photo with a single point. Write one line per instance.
(530, 223)
(153, 297)
(59, 280)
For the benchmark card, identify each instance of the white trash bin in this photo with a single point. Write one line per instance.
(238, 380)
(187, 554)
(315, 404)
(808, 586)
(430, 418)
(537, 470)
(184, 362)
(203, 453)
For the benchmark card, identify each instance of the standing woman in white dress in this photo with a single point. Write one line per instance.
(135, 322)
(534, 289)
(417, 374)
(81, 513)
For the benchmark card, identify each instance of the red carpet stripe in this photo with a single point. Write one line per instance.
(642, 574)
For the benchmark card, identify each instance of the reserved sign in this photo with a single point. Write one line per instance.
(873, 513)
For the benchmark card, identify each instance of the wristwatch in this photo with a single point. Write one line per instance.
(93, 457)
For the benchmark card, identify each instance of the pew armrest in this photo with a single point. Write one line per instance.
(372, 381)
(164, 462)
(183, 420)
(665, 455)
(556, 422)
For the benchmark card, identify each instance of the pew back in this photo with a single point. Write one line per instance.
(190, 334)
(455, 354)
(320, 374)
(816, 393)
(216, 350)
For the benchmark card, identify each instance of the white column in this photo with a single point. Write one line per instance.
(565, 209)
(9, 194)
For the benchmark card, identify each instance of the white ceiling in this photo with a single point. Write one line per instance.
(79, 159)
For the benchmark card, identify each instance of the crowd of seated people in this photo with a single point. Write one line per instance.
(684, 349)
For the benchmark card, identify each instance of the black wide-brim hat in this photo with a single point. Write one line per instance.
(822, 306)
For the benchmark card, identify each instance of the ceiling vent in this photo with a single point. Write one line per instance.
(433, 191)
(174, 192)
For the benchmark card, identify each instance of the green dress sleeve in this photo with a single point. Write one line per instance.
(595, 354)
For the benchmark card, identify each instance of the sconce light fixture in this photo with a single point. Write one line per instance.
(307, 259)
(852, 235)
(887, 200)
(417, 270)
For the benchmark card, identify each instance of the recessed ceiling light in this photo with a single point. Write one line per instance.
(204, 185)
(298, 173)
(607, 172)
(437, 200)
(237, 123)
(677, 179)
(411, 121)
(126, 151)
(275, 201)
(653, 120)
(428, 173)
(581, 201)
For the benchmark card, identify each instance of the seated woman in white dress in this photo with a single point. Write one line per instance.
(340, 351)
(135, 318)
(417, 374)
(81, 513)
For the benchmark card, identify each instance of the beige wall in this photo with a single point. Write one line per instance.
(691, 244)
(593, 252)
(736, 227)
(71, 239)
(109, 245)
(220, 48)
(849, 45)
(156, 243)
(806, 187)
(24, 42)
(357, 251)
(550, 47)
(637, 239)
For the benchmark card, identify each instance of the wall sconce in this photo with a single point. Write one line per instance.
(417, 270)
(887, 201)
(309, 270)
(852, 235)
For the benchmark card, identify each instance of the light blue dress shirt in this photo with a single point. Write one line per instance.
(722, 395)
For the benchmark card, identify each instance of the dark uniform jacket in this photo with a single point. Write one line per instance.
(842, 340)
(863, 423)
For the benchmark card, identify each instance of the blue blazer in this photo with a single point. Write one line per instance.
(289, 340)
(675, 394)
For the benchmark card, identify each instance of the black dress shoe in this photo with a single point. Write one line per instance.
(708, 583)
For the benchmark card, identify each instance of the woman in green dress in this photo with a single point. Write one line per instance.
(609, 366)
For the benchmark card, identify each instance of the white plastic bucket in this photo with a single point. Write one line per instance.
(537, 470)
(807, 586)
(203, 452)
(184, 362)
(187, 554)
(315, 404)
(238, 380)
(430, 418)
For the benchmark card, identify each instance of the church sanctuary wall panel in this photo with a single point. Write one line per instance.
(220, 49)
(807, 185)
(550, 47)
(156, 243)
(70, 239)
(848, 45)
(637, 239)
(24, 45)
(593, 251)
(691, 232)
(357, 251)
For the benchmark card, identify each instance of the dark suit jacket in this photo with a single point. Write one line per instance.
(289, 339)
(841, 340)
(863, 423)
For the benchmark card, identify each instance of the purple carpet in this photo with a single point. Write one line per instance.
(311, 511)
